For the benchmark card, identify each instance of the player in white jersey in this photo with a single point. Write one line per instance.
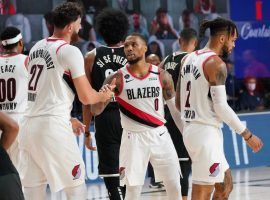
(141, 88)
(13, 81)
(50, 153)
(201, 95)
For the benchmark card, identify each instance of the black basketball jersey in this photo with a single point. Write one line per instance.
(107, 61)
(172, 65)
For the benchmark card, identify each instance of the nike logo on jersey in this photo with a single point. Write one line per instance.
(162, 134)
(127, 81)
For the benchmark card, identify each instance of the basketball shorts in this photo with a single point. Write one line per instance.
(13, 151)
(108, 133)
(138, 148)
(204, 144)
(50, 154)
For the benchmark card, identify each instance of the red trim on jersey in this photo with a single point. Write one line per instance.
(139, 113)
(68, 73)
(121, 84)
(8, 55)
(202, 52)
(159, 77)
(140, 78)
(53, 39)
(203, 64)
(26, 61)
(60, 47)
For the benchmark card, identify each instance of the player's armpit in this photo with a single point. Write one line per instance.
(167, 85)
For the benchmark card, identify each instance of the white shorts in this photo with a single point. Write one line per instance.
(204, 144)
(13, 150)
(138, 148)
(50, 154)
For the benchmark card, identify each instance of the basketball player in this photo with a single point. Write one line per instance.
(202, 96)
(112, 25)
(188, 42)
(141, 88)
(10, 184)
(50, 153)
(13, 81)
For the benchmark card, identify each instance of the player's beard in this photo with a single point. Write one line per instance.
(74, 37)
(136, 60)
(225, 51)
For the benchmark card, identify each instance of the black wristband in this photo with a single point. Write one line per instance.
(249, 137)
(87, 134)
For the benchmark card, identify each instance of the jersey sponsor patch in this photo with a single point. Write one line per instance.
(76, 172)
(214, 169)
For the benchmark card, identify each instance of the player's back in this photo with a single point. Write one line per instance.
(13, 83)
(107, 61)
(49, 91)
(196, 102)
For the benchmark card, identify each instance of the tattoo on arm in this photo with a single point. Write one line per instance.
(220, 75)
(168, 86)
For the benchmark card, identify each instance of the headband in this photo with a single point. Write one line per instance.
(12, 40)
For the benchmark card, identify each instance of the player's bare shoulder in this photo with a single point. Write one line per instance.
(215, 70)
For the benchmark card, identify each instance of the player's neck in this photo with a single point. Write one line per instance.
(115, 45)
(140, 69)
(211, 45)
(10, 52)
(61, 35)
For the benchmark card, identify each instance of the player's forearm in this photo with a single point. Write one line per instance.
(10, 132)
(176, 115)
(98, 108)
(87, 116)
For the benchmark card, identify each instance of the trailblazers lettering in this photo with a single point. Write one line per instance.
(146, 92)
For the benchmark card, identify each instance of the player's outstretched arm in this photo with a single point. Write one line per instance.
(72, 61)
(87, 115)
(9, 130)
(169, 96)
(216, 73)
(112, 80)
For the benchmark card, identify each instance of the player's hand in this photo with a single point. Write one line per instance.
(254, 143)
(77, 126)
(108, 90)
(88, 142)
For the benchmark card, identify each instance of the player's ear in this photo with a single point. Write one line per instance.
(222, 38)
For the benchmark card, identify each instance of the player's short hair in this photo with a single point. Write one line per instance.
(112, 25)
(9, 33)
(188, 34)
(218, 25)
(140, 36)
(66, 13)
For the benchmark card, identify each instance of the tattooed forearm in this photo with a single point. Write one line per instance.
(168, 86)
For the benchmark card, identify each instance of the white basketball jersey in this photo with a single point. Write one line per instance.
(196, 102)
(48, 91)
(141, 100)
(13, 83)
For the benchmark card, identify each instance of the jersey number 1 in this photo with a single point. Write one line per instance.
(35, 72)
